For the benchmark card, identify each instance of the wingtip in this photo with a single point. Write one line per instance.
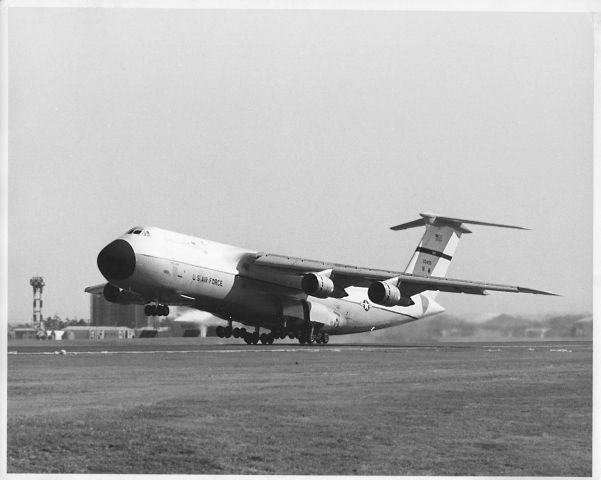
(538, 292)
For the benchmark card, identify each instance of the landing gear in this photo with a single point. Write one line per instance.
(266, 338)
(306, 335)
(156, 310)
(312, 334)
(227, 332)
(322, 338)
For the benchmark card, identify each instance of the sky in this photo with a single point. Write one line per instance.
(306, 133)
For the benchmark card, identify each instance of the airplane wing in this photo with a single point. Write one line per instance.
(283, 270)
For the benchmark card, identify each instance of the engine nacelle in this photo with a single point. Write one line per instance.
(116, 295)
(388, 295)
(317, 285)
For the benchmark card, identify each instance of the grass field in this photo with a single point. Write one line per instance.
(337, 410)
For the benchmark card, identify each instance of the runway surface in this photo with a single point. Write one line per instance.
(196, 406)
(188, 346)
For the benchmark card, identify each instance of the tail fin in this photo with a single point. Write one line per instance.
(435, 251)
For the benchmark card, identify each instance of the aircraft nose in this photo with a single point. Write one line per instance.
(117, 260)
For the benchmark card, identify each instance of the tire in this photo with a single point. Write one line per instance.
(227, 331)
(325, 339)
(255, 338)
(236, 332)
(263, 338)
(148, 310)
(166, 310)
(220, 331)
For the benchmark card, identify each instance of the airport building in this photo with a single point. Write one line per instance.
(104, 313)
(98, 333)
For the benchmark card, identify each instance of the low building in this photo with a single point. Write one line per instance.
(104, 313)
(25, 333)
(98, 333)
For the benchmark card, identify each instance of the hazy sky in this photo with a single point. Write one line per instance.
(306, 133)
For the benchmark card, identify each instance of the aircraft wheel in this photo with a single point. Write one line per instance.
(166, 310)
(255, 338)
(270, 339)
(148, 310)
(282, 336)
(325, 339)
(291, 335)
(227, 332)
(263, 338)
(220, 331)
(236, 332)
(243, 332)
(248, 338)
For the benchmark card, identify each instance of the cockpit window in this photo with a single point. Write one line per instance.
(137, 231)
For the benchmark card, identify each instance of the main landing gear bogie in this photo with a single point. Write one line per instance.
(251, 338)
(156, 310)
(304, 336)
(319, 338)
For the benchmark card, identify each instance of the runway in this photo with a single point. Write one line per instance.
(184, 406)
(149, 346)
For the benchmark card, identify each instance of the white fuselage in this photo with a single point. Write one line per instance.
(178, 269)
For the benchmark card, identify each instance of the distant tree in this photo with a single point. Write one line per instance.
(82, 323)
(53, 323)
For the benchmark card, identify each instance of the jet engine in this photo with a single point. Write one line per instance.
(116, 295)
(317, 285)
(388, 295)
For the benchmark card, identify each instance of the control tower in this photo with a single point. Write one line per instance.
(38, 285)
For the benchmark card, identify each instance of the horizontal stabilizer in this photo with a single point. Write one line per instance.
(440, 220)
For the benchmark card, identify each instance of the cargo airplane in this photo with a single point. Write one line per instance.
(285, 296)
